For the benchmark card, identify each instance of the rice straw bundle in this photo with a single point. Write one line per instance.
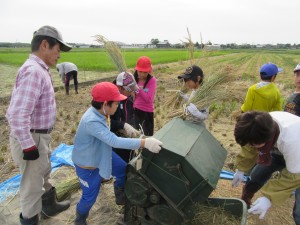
(114, 53)
(209, 92)
(65, 188)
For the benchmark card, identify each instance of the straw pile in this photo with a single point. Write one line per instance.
(213, 215)
(114, 53)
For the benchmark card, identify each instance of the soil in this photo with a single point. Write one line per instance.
(69, 111)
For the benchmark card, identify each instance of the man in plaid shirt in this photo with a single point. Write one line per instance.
(31, 116)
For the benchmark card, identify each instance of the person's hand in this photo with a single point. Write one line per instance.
(130, 131)
(31, 153)
(192, 109)
(261, 207)
(238, 178)
(153, 145)
(184, 96)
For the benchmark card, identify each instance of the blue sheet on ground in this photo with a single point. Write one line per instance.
(60, 156)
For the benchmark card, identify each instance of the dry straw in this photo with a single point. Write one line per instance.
(114, 52)
(208, 93)
(213, 215)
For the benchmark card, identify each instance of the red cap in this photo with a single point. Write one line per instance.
(106, 91)
(144, 64)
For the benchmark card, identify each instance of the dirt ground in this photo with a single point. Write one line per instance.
(105, 212)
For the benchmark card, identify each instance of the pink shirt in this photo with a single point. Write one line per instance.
(144, 99)
(32, 104)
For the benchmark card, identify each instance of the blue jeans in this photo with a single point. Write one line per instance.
(260, 174)
(296, 210)
(90, 182)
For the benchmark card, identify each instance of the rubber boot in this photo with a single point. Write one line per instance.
(76, 88)
(67, 90)
(247, 196)
(31, 221)
(50, 206)
(80, 219)
(120, 195)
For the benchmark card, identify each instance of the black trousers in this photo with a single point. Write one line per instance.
(69, 75)
(146, 120)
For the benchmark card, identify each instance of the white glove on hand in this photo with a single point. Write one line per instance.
(130, 131)
(184, 96)
(260, 206)
(196, 113)
(238, 178)
(153, 145)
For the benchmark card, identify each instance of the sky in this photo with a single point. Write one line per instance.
(139, 21)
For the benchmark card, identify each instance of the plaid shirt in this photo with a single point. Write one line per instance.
(32, 104)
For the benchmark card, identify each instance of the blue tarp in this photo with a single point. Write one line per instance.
(60, 156)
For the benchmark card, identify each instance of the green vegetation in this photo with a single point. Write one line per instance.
(98, 60)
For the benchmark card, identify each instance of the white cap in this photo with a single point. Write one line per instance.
(297, 68)
(127, 81)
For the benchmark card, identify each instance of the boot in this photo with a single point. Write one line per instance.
(120, 195)
(50, 206)
(76, 88)
(247, 196)
(80, 219)
(31, 221)
(67, 90)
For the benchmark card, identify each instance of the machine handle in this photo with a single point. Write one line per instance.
(181, 174)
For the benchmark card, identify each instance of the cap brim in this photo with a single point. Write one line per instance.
(120, 98)
(64, 47)
(184, 76)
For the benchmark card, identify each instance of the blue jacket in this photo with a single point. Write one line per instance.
(94, 141)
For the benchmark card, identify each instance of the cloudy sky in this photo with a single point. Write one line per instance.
(139, 21)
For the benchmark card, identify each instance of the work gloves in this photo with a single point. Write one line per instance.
(238, 178)
(184, 96)
(260, 206)
(153, 145)
(130, 131)
(199, 114)
(31, 153)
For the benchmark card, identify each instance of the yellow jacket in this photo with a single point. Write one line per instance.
(263, 96)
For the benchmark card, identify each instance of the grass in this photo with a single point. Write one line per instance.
(97, 59)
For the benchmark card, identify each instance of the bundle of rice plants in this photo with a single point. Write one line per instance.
(114, 53)
(209, 92)
(65, 188)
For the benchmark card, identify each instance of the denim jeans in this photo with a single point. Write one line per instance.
(260, 174)
(90, 182)
(296, 210)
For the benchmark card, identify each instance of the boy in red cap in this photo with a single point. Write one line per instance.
(93, 156)
(144, 98)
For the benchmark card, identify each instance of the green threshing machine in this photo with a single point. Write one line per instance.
(162, 189)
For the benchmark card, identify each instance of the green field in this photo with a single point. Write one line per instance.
(95, 63)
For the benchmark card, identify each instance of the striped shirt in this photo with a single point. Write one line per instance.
(32, 104)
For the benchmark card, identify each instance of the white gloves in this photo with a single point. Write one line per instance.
(184, 96)
(153, 145)
(201, 115)
(260, 206)
(238, 178)
(130, 131)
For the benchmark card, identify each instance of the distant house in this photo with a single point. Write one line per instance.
(212, 47)
(163, 44)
